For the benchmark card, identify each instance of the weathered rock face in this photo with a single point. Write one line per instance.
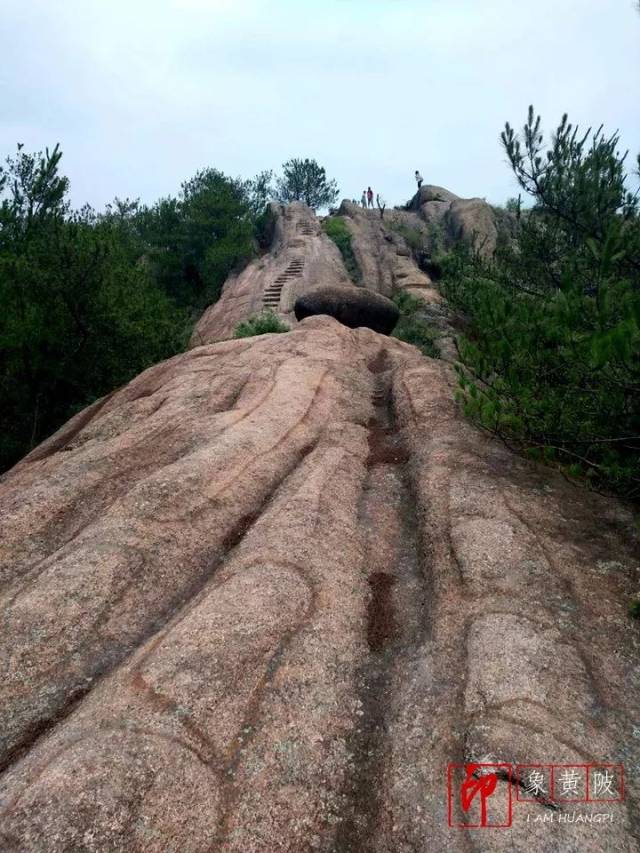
(383, 254)
(470, 219)
(353, 307)
(259, 598)
(433, 193)
(301, 257)
(384, 249)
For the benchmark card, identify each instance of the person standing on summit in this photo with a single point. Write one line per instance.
(370, 197)
(363, 200)
(418, 179)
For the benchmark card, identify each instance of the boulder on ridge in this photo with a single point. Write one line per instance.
(352, 306)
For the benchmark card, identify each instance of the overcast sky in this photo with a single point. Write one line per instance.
(142, 93)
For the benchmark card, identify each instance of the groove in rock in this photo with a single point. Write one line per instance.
(113, 658)
(395, 616)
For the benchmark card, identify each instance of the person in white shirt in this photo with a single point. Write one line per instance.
(418, 179)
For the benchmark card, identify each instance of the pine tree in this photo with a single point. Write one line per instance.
(552, 356)
(305, 180)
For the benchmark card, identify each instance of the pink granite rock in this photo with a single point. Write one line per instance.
(259, 598)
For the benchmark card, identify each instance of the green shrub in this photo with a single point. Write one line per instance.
(191, 243)
(431, 238)
(412, 327)
(337, 229)
(413, 237)
(260, 324)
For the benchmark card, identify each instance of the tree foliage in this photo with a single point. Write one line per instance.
(191, 243)
(78, 316)
(305, 180)
(413, 325)
(552, 352)
(89, 300)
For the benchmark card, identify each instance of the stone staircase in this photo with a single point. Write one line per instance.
(272, 294)
(306, 228)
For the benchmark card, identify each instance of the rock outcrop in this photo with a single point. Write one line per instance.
(383, 254)
(301, 257)
(386, 250)
(354, 307)
(259, 598)
(470, 219)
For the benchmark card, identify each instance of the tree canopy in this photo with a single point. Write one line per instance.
(305, 180)
(89, 300)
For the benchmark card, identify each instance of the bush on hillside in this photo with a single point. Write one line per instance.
(260, 324)
(412, 326)
(412, 236)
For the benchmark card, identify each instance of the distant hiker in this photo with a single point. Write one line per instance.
(418, 179)
(370, 197)
(363, 200)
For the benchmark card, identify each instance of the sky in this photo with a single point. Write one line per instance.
(141, 94)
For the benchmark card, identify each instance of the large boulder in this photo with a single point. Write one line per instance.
(473, 220)
(434, 211)
(430, 192)
(457, 219)
(352, 306)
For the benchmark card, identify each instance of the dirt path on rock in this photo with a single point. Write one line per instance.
(396, 619)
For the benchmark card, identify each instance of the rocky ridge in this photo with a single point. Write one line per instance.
(259, 598)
